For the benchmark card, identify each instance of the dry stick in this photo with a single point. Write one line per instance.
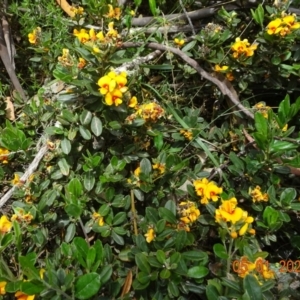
(133, 213)
(222, 83)
(187, 16)
(30, 170)
(193, 15)
(6, 59)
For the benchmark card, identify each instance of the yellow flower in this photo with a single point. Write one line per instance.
(27, 217)
(150, 235)
(234, 234)
(274, 26)
(291, 22)
(257, 195)
(137, 172)
(81, 63)
(77, 10)
(262, 267)
(132, 13)
(4, 155)
(22, 296)
(111, 81)
(16, 180)
(111, 31)
(101, 221)
(100, 36)
(245, 266)
(252, 231)
(179, 42)
(187, 134)
(160, 167)
(2, 287)
(285, 127)
(242, 48)
(150, 112)
(41, 272)
(188, 211)
(243, 230)
(113, 13)
(207, 190)
(82, 35)
(230, 76)
(133, 102)
(228, 212)
(218, 68)
(5, 224)
(33, 37)
(114, 98)
(92, 34)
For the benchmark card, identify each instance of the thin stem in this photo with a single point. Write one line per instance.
(133, 213)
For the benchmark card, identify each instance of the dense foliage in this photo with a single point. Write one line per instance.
(148, 161)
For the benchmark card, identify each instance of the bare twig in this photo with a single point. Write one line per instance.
(187, 16)
(30, 170)
(193, 15)
(220, 81)
(133, 213)
(137, 61)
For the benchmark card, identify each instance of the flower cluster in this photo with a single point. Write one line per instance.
(262, 108)
(4, 155)
(113, 86)
(224, 69)
(238, 219)
(78, 11)
(21, 216)
(66, 59)
(179, 42)
(257, 195)
(98, 218)
(188, 212)
(283, 26)
(91, 37)
(207, 190)
(243, 47)
(161, 168)
(113, 13)
(187, 134)
(150, 112)
(260, 268)
(34, 36)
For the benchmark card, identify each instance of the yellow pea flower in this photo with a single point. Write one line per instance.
(150, 235)
(5, 224)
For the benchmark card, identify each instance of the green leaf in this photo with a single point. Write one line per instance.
(119, 218)
(70, 233)
(65, 146)
(212, 292)
(270, 216)
(165, 274)
(117, 238)
(197, 272)
(146, 166)
(90, 257)
(261, 124)
(287, 196)
(153, 7)
(161, 256)
(106, 273)
(73, 210)
(142, 262)
(87, 285)
(220, 251)
(64, 166)
(75, 187)
(85, 117)
(258, 15)
(180, 239)
(96, 126)
(252, 287)
(195, 255)
(89, 180)
(32, 287)
(85, 133)
(167, 215)
(158, 141)
(173, 289)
